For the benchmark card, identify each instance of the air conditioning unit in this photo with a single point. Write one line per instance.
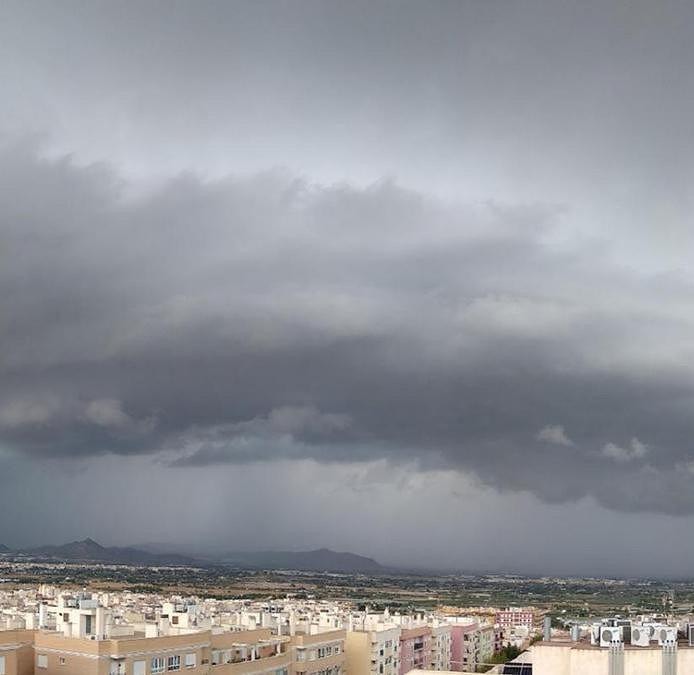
(610, 635)
(667, 635)
(641, 636)
(653, 628)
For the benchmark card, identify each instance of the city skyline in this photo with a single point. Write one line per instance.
(411, 280)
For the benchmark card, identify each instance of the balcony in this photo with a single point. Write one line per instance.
(268, 664)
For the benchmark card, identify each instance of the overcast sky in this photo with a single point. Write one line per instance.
(410, 279)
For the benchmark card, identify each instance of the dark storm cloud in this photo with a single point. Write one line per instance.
(267, 318)
(503, 327)
(588, 99)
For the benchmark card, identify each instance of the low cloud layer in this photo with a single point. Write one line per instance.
(266, 317)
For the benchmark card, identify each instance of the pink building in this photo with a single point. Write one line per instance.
(463, 647)
(415, 649)
(515, 616)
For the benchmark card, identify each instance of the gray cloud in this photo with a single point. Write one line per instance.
(267, 317)
(397, 246)
(554, 433)
(283, 434)
(635, 450)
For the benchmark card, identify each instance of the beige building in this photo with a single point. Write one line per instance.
(16, 652)
(249, 652)
(319, 654)
(582, 658)
(374, 651)
(207, 652)
(56, 654)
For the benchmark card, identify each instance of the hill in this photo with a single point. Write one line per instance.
(320, 560)
(90, 550)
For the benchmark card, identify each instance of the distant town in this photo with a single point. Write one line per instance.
(74, 615)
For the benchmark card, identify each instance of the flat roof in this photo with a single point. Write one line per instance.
(585, 644)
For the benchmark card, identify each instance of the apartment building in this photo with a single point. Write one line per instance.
(285, 636)
(415, 648)
(197, 653)
(440, 646)
(254, 652)
(373, 649)
(57, 654)
(515, 617)
(486, 637)
(320, 653)
(463, 646)
(16, 652)
(472, 644)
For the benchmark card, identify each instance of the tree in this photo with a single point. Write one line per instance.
(506, 654)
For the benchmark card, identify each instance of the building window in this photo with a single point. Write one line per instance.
(174, 663)
(138, 668)
(2, 665)
(191, 660)
(42, 661)
(157, 665)
(61, 660)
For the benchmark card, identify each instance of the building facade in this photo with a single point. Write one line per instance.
(440, 647)
(415, 648)
(319, 654)
(515, 617)
(16, 652)
(373, 652)
(207, 652)
(566, 658)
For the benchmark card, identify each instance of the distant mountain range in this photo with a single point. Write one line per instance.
(156, 554)
(90, 550)
(322, 559)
